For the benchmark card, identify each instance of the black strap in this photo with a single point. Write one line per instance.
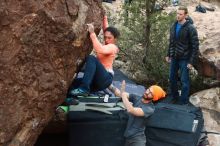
(210, 132)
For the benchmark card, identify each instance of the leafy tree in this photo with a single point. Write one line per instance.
(144, 39)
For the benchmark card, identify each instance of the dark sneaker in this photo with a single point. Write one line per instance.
(189, 104)
(186, 104)
(79, 92)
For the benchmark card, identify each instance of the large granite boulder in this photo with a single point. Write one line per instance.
(207, 25)
(209, 101)
(42, 43)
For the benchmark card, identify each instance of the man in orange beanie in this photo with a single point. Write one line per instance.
(157, 92)
(141, 109)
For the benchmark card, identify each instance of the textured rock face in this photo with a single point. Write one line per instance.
(209, 33)
(41, 45)
(209, 101)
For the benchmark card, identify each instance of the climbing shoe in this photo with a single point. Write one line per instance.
(79, 92)
(71, 101)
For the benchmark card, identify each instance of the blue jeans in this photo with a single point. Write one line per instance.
(175, 66)
(96, 77)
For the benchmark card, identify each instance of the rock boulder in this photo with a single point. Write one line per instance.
(42, 43)
(209, 101)
(207, 25)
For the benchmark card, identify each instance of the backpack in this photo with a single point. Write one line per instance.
(201, 9)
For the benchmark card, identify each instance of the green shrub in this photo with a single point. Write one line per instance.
(144, 40)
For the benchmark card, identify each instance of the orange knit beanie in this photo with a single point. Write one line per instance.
(158, 92)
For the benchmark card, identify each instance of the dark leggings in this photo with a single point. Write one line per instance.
(96, 77)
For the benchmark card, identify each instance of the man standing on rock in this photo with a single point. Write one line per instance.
(182, 53)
